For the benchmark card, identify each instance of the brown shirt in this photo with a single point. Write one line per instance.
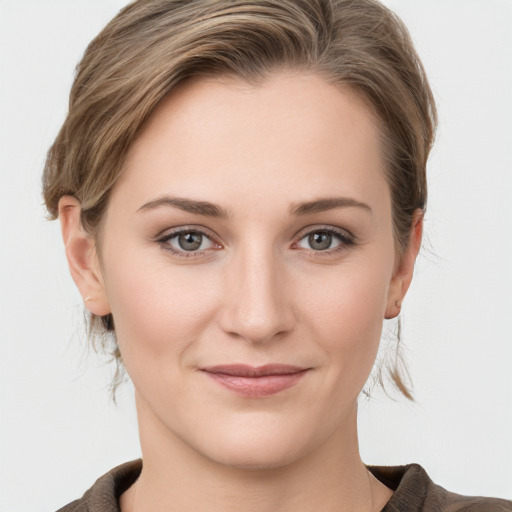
(413, 492)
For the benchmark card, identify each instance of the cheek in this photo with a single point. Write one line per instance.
(346, 317)
(158, 310)
(350, 300)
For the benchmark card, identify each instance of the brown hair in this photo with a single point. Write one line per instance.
(152, 45)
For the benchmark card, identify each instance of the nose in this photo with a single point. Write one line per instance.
(257, 305)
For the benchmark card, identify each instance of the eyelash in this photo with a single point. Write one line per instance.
(164, 242)
(346, 240)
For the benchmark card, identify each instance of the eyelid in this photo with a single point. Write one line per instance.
(172, 230)
(345, 237)
(342, 232)
(164, 236)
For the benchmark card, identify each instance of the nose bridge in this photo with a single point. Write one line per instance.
(257, 307)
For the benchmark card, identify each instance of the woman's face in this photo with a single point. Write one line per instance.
(248, 261)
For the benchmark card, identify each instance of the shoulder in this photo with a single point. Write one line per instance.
(415, 491)
(104, 494)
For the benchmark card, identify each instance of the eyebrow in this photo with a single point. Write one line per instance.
(188, 205)
(212, 210)
(324, 204)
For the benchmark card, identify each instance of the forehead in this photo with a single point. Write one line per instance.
(294, 133)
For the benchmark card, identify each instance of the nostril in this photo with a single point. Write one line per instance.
(261, 329)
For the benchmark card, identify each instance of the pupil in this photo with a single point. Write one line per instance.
(320, 241)
(190, 241)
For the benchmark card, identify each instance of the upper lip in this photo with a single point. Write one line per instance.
(244, 370)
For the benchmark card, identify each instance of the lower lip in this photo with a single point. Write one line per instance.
(257, 387)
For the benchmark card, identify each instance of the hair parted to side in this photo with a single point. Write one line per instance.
(153, 45)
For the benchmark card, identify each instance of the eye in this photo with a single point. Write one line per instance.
(191, 241)
(187, 242)
(325, 240)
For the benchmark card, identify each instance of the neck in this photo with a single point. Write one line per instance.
(176, 477)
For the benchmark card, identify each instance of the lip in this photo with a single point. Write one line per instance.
(256, 381)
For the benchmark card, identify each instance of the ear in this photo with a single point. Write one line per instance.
(403, 273)
(82, 257)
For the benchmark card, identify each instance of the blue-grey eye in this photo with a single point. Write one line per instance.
(320, 240)
(189, 241)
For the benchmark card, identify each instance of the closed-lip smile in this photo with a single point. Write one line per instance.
(256, 381)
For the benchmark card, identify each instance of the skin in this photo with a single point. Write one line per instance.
(256, 292)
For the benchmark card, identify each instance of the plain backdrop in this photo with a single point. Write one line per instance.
(58, 429)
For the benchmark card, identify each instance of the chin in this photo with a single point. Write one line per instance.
(258, 447)
(255, 458)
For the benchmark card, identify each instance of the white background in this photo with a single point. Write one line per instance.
(58, 429)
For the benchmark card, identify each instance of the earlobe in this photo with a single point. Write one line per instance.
(82, 258)
(402, 276)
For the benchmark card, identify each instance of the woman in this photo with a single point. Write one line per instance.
(241, 188)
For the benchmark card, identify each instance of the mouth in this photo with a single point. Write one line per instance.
(256, 381)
